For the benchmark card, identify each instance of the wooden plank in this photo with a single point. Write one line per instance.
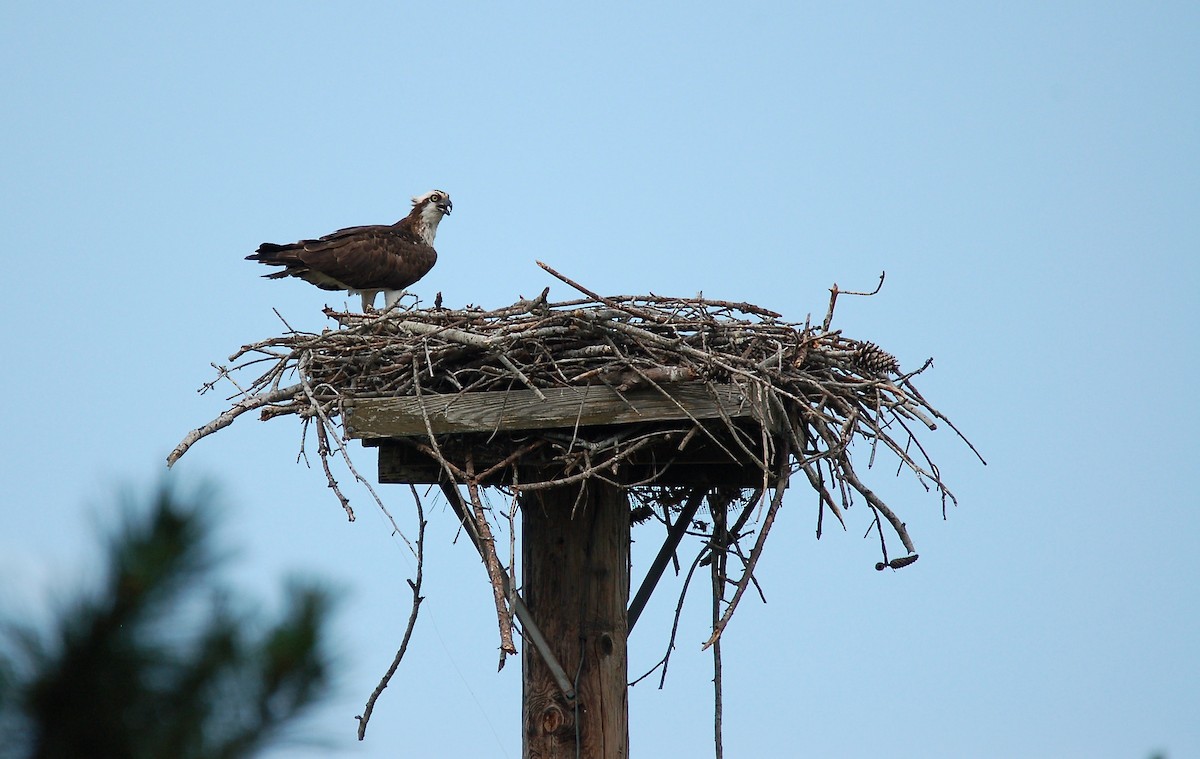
(563, 407)
(701, 462)
(394, 471)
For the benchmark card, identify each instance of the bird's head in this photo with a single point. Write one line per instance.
(429, 210)
(438, 200)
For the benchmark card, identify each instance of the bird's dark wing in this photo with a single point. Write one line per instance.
(360, 258)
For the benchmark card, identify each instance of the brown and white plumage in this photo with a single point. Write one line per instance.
(368, 260)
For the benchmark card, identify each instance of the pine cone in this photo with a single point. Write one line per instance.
(875, 360)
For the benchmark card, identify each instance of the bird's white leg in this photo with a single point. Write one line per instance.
(391, 298)
(368, 300)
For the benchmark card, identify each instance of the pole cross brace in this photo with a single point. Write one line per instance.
(654, 574)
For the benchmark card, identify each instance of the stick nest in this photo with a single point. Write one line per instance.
(815, 393)
(828, 389)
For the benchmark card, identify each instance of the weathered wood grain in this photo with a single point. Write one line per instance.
(575, 555)
(563, 407)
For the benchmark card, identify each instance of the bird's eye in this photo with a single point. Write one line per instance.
(435, 198)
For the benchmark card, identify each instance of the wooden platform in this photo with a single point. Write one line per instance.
(698, 447)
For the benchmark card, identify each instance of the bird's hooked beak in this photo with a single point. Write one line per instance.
(445, 206)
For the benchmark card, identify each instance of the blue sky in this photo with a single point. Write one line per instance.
(1028, 174)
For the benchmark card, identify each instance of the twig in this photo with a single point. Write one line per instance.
(665, 661)
(417, 598)
(755, 554)
(227, 418)
(487, 545)
(834, 292)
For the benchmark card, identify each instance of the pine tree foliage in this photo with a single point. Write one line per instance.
(160, 662)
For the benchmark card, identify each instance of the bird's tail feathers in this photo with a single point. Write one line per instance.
(272, 253)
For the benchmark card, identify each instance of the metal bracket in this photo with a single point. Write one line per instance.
(528, 627)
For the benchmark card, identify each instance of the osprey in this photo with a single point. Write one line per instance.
(379, 258)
